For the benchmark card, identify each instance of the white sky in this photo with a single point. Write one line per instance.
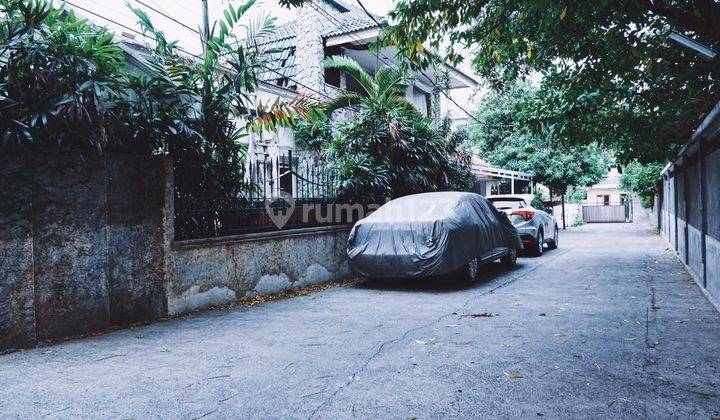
(189, 13)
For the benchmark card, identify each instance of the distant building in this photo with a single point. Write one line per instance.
(607, 191)
(491, 181)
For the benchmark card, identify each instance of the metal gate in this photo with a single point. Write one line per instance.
(613, 213)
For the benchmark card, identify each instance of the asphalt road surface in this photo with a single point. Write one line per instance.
(608, 325)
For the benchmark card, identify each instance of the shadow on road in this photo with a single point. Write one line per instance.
(440, 284)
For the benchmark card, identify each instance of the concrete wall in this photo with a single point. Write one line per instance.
(86, 242)
(573, 212)
(690, 212)
(78, 244)
(217, 271)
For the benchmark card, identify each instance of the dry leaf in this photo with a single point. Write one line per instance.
(560, 334)
(514, 375)
(563, 13)
(483, 315)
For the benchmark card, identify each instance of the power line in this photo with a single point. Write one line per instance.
(182, 49)
(167, 16)
(421, 72)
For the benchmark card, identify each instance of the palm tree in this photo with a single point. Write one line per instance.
(388, 148)
(383, 92)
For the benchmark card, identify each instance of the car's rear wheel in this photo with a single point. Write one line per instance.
(537, 249)
(469, 272)
(554, 243)
(509, 259)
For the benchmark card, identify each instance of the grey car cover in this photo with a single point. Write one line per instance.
(428, 234)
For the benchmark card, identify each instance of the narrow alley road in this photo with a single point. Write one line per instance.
(608, 325)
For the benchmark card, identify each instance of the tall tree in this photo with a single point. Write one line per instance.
(503, 139)
(610, 74)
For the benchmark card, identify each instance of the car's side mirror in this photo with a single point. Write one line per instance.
(549, 210)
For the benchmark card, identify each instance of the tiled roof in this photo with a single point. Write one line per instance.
(280, 47)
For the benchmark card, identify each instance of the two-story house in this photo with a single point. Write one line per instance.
(325, 28)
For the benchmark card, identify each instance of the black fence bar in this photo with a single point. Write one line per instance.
(285, 192)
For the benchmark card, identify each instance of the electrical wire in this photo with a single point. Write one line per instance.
(435, 85)
(184, 50)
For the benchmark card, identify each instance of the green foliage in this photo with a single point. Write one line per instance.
(313, 136)
(63, 82)
(203, 138)
(609, 73)
(388, 149)
(577, 195)
(503, 139)
(60, 78)
(643, 180)
(383, 154)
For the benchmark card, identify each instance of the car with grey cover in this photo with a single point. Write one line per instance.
(432, 234)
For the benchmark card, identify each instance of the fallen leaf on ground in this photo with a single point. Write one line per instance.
(560, 334)
(431, 341)
(452, 325)
(514, 375)
(483, 315)
(47, 352)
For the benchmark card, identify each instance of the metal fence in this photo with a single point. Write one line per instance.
(611, 213)
(284, 192)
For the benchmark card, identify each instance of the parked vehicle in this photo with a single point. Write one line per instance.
(533, 221)
(432, 234)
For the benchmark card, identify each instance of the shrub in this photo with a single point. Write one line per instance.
(643, 180)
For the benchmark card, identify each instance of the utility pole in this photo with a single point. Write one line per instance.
(205, 34)
(562, 200)
(205, 30)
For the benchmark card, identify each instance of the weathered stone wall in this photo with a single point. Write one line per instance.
(79, 244)
(17, 293)
(136, 234)
(212, 272)
(69, 220)
(86, 242)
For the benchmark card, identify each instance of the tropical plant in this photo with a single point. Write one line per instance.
(61, 78)
(313, 135)
(388, 148)
(192, 104)
(383, 92)
(643, 180)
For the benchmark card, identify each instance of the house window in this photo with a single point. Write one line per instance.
(332, 76)
(603, 199)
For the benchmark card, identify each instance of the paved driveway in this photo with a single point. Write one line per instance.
(608, 325)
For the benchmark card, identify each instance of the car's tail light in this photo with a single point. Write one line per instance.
(527, 215)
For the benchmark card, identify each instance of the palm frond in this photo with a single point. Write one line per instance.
(346, 100)
(351, 67)
(391, 82)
